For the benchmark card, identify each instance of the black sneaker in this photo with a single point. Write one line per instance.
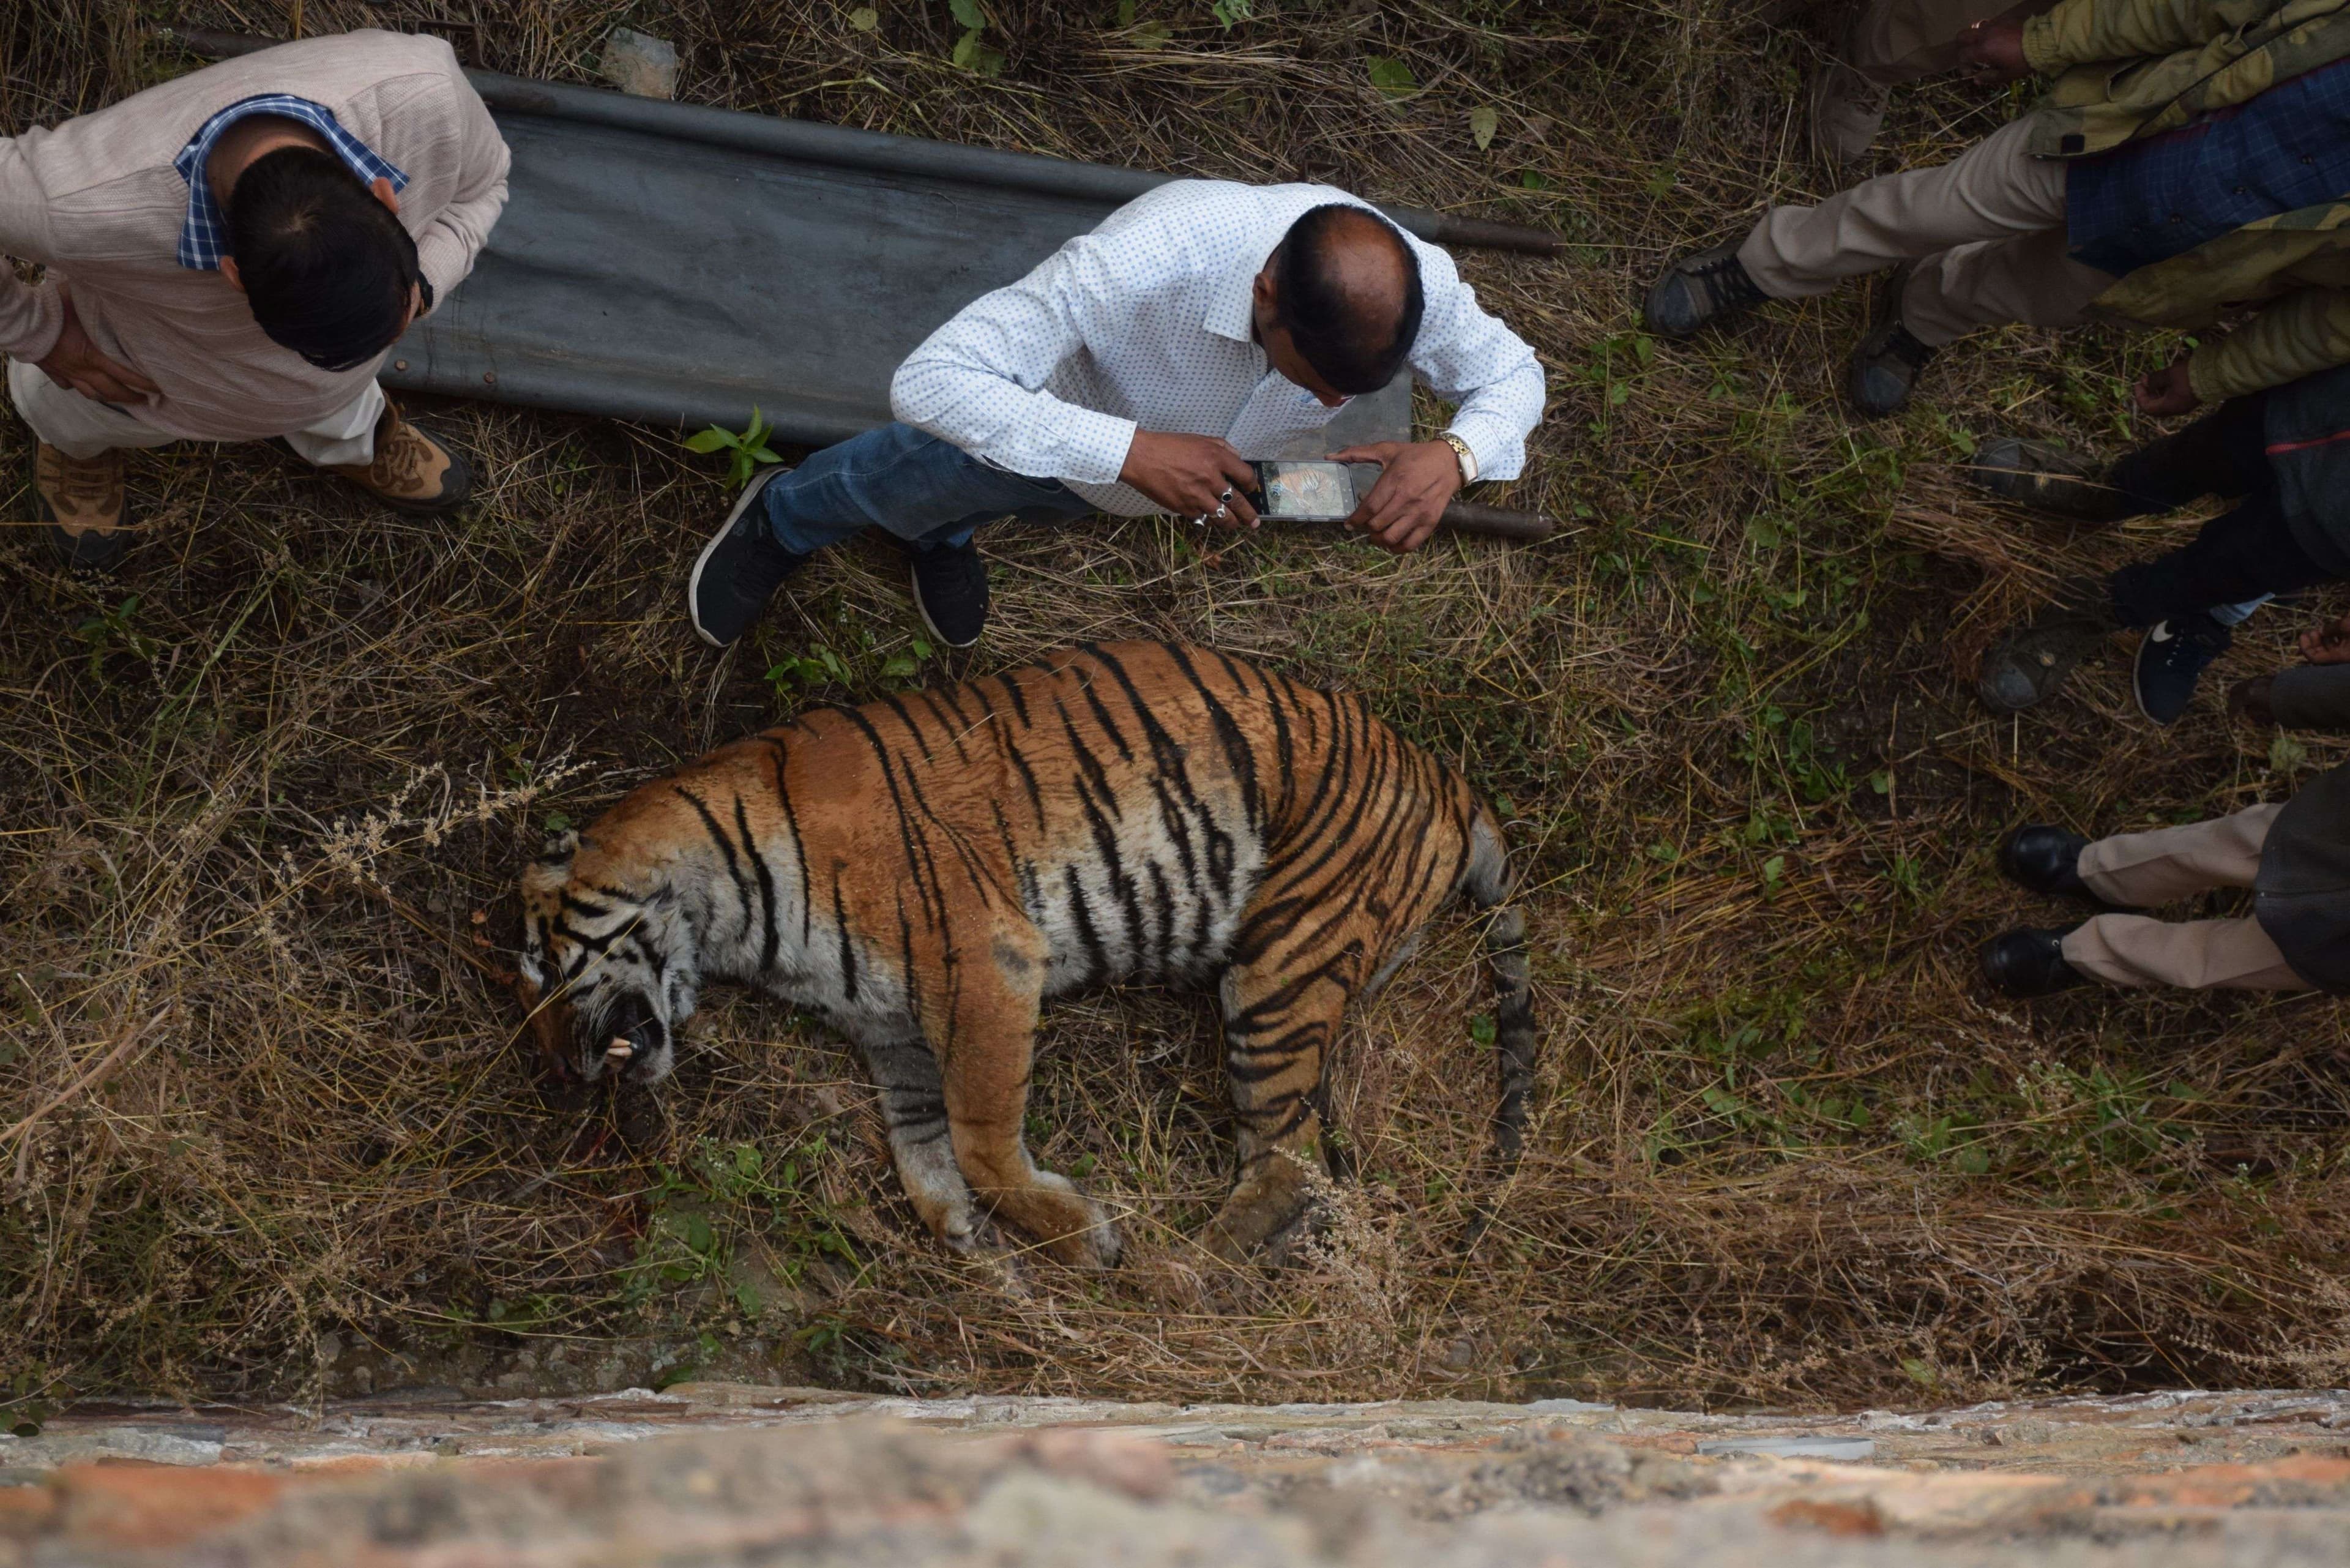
(2029, 962)
(1884, 368)
(2171, 660)
(739, 570)
(2046, 478)
(1698, 291)
(950, 591)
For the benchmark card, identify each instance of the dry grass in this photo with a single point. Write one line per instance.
(264, 1129)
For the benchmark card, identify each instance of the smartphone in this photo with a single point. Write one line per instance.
(1304, 491)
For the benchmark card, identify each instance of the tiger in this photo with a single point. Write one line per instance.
(924, 871)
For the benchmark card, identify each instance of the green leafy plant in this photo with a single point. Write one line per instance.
(110, 632)
(971, 51)
(1233, 13)
(1391, 76)
(748, 451)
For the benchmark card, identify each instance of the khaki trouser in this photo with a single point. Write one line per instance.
(2172, 863)
(1897, 41)
(83, 427)
(1986, 229)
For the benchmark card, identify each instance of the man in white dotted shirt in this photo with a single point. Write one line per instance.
(1136, 371)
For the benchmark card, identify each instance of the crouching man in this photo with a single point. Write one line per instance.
(2295, 857)
(228, 257)
(2189, 158)
(1135, 371)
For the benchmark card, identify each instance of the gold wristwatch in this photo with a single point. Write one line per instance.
(1468, 459)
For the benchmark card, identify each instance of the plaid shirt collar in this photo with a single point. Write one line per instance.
(204, 238)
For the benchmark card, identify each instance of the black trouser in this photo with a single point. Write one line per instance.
(2240, 554)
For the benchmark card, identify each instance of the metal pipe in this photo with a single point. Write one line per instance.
(1497, 522)
(873, 151)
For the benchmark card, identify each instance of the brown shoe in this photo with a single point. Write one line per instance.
(411, 472)
(83, 502)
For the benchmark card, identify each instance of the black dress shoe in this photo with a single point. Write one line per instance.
(950, 591)
(2029, 962)
(739, 570)
(1698, 291)
(2046, 860)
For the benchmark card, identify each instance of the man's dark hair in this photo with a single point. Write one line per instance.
(1354, 342)
(327, 268)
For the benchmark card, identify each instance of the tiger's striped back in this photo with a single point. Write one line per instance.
(926, 869)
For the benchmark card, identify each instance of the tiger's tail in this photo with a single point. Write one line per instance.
(1488, 885)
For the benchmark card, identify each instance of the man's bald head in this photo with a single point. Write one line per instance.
(1346, 289)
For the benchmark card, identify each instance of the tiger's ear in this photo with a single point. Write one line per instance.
(552, 868)
(559, 845)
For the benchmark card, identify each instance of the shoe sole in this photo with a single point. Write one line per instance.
(750, 492)
(923, 611)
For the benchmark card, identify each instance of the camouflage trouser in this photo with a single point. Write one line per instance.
(1986, 231)
(2170, 864)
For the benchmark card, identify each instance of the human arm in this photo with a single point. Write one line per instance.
(1497, 385)
(2080, 32)
(2303, 332)
(978, 380)
(2312, 696)
(446, 249)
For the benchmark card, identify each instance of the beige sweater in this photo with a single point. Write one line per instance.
(98, 201)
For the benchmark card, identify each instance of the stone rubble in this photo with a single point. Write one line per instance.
(707, 1473)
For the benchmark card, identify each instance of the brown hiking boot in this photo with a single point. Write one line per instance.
(83, 502)
(411, 472)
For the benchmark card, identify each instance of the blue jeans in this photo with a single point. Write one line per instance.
(925, 491)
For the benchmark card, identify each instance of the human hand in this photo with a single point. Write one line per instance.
(2166, 391)
(1415, 479)
(75, 363)
(1993, 52)
(2328, 643)
(1192, 476)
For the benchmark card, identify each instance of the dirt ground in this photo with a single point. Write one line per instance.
(263, 1131)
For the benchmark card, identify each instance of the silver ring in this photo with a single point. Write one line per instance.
(1222, 512)
(1227, 495)
(1200, 521)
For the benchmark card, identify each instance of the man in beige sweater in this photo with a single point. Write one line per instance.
(228, 257)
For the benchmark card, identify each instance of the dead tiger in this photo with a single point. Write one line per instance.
(925, 870)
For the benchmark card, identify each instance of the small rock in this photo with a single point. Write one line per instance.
(639, 64)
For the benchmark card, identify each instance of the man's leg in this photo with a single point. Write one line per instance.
(1994, 191)
(2143, 869)
(78, 465)
(2132, 950)
(367, 442)
(925, 492)
(2192, 598)
(928, 493)
(2027, 279)
(1889, 43)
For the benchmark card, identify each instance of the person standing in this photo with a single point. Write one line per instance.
(1136, 370)
(228, 257)
(2187, 160)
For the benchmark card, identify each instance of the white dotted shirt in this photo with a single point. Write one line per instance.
(1146, 322)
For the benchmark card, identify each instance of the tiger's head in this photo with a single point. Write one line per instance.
(608, 976)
